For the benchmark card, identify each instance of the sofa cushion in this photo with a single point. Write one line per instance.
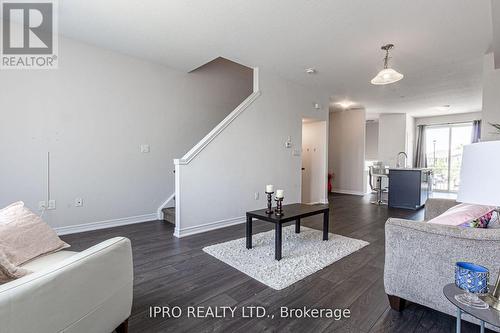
(9, 213)
(48, 260)
(25, 236)
(462, 213)
(8, 271)
(495, 221)
(481, 222)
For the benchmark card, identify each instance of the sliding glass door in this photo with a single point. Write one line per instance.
(444, 148)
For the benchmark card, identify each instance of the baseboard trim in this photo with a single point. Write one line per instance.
(179, 233)
(323, 202)
(73, 229)
(348, 192)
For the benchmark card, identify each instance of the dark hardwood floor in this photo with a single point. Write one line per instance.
(176, 272)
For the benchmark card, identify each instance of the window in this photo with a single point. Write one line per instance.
(444, 148)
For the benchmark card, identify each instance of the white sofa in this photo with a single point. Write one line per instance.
(88, 291)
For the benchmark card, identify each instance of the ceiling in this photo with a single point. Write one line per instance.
(439, 43)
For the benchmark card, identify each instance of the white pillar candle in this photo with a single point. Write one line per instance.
(269, 188)
(280, 193)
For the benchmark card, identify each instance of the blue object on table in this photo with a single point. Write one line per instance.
(471, 277)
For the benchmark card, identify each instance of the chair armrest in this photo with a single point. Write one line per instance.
(58, 297)
(436, 207)
(420, 258)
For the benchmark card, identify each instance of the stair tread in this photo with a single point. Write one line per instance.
(169, 214)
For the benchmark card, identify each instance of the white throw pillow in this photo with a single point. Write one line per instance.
(25, 236)
(10, 212)
(495, 222)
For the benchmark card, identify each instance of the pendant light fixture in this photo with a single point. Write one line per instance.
(387, 75)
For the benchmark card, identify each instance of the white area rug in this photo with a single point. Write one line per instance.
(303, 254)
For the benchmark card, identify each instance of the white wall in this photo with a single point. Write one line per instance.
(495, 18)
(314, 160)
(392, 137)
(491, 99)
(92, 114)
(397, 133)
(346, 157)
(218, 186)
(371, 141)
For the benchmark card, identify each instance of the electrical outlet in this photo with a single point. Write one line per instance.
(256, 195)
(145, 149)
(52, 204)
(42, 205)
(78, 202)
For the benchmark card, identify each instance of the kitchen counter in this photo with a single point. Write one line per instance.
(411, 169)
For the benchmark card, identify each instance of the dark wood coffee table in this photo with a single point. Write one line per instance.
(293, 212)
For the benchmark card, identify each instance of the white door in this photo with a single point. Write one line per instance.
(314, 157)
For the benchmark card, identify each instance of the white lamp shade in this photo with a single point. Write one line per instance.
(480, 174)
(386, 76)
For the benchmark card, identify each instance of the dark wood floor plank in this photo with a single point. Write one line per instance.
(176, 272)
(370, 306)
(403, 322)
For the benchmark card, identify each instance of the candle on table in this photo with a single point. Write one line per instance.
(269, 188)
(280, 193)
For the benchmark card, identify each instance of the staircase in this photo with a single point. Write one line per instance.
(169, 214)
(184, 190)
(169, 211)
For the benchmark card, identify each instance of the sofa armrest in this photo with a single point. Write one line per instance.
(60, 297)
(420, 258)
(436, 207)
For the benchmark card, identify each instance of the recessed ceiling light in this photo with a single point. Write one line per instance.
(311, 70)
(445, 107)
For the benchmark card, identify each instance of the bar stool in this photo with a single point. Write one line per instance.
(375, 180)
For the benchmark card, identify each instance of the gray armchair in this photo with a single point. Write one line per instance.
(420, 257)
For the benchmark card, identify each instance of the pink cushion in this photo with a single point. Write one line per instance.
(25, 236)
(461, 214)
(10, 212)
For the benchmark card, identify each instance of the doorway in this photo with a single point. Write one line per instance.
(314, 161)
(444, 149)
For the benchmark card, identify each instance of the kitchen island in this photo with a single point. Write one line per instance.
(409, 187)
